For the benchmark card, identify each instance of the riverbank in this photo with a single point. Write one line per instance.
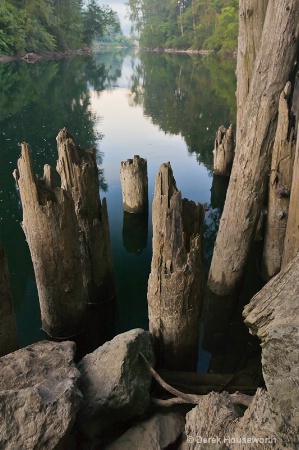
(33, 57)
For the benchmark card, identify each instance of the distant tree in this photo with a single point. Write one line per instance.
(96, 19)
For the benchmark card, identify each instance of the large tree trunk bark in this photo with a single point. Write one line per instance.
(279, 188)
(291, 244)
(176, 281)
(273, 67)
(8, 328)
(79, 177)
(52, 233)
(251, 21)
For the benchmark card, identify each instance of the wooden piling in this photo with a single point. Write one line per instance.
(134, 183)
(176, 282)
(79, 177)
(223, 151)
(52, 232)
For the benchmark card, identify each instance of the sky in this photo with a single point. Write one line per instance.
(120, 7)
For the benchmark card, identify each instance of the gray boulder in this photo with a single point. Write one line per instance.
(115, 381)
(39, 398)
(155, 433)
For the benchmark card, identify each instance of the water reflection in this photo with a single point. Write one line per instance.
(186, 95)
(135, 232)
(176, 104)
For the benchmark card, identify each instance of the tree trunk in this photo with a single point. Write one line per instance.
(279, 188)
(176, 281)
(52, 233)
(273, 67)
(251, 21)
(133, 177)
(223, 151)
(8, 328)
(79, 177)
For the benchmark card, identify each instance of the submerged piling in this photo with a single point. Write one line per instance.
(79, 177)
(223, 151)
(52, 232)
(176, 282)
(134, 183)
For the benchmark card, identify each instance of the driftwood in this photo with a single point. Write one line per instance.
(8, 328)
(79, 177)
(52, 232)
(280, 183)
(181, 397)
(223, 151)
(245, 193)
(203, 383)
(176, 281)
(134, 183)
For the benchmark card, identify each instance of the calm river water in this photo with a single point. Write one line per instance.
(162, 107)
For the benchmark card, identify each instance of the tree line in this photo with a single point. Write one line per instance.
(182, 24)
(52, 25)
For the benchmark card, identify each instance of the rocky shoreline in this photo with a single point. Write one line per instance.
(106, 401)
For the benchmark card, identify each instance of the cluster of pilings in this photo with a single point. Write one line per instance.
(66, 227)
(176, 282)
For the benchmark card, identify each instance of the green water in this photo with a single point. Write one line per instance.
(162, 107)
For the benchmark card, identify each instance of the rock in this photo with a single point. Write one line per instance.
(273, 315)
(216, 424)
(155, 433)
(8, 327)
(39, 398)
(115, 381)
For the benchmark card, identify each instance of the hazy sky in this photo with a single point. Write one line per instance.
(121, 9)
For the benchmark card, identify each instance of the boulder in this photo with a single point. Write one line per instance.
(39, 398)
(157, 432)
(115, 381)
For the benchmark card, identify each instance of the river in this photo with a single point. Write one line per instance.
(164, 107)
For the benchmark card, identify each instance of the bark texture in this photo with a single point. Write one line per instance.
(223, 151)
(280, 183)
(8, 328)
(251, 21)
(274, 63)
(273, 315)
(134, 183)
(52, 232)
(79, 177)
(176, 281)
(291, 244)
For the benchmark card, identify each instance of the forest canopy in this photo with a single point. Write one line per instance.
(49, 25)
(182, 24)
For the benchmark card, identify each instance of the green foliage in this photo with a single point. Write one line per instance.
(197, 24)
(47, 25)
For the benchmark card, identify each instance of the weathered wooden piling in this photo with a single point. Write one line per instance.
(52, 232)
(79, 177)
(8, 328)
(223, 151)
(176, 282)
(280, 183)
(134, 183)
